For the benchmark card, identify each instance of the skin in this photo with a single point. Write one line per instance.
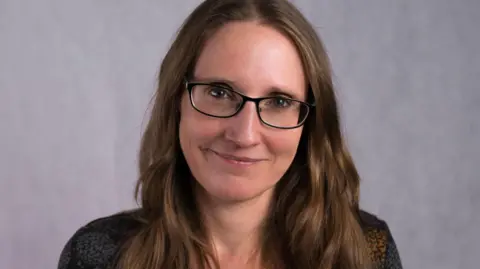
(255, 59)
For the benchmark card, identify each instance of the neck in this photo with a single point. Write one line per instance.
(234, 228)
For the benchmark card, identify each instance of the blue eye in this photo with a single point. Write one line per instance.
(278, 102)
(218, 92)
(282, 102)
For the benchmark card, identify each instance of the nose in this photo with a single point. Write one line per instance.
(244, 128)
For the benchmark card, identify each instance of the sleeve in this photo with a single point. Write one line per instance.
(382, 248)
(66, 255)
(88, 249)
(392, 256)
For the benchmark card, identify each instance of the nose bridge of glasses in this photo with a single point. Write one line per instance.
(255, 102)
(248, 108)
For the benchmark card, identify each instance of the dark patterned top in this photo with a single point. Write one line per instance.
(96, 245)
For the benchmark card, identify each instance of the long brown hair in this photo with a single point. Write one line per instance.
(313, 223)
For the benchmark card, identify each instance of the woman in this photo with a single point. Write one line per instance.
(242, 164)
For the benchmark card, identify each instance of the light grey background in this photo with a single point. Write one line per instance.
(76, 78)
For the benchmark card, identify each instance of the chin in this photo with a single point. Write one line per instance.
(234, 193)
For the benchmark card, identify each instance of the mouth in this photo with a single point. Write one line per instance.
(242, 160)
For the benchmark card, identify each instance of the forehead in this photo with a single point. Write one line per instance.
(254, 57)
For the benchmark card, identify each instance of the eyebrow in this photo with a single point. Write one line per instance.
(273, 91)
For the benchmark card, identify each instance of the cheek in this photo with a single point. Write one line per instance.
(195, 134)
(196, 130)
(284, 146)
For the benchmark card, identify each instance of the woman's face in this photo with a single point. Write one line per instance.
(240, 158)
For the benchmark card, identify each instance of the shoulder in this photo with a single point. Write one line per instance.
(96, 244)
(382, 248)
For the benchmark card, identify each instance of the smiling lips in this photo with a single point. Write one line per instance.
(236, 159)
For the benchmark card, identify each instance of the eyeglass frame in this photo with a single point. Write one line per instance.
(189, 85)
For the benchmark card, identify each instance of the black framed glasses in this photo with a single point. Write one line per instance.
(219, 100)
